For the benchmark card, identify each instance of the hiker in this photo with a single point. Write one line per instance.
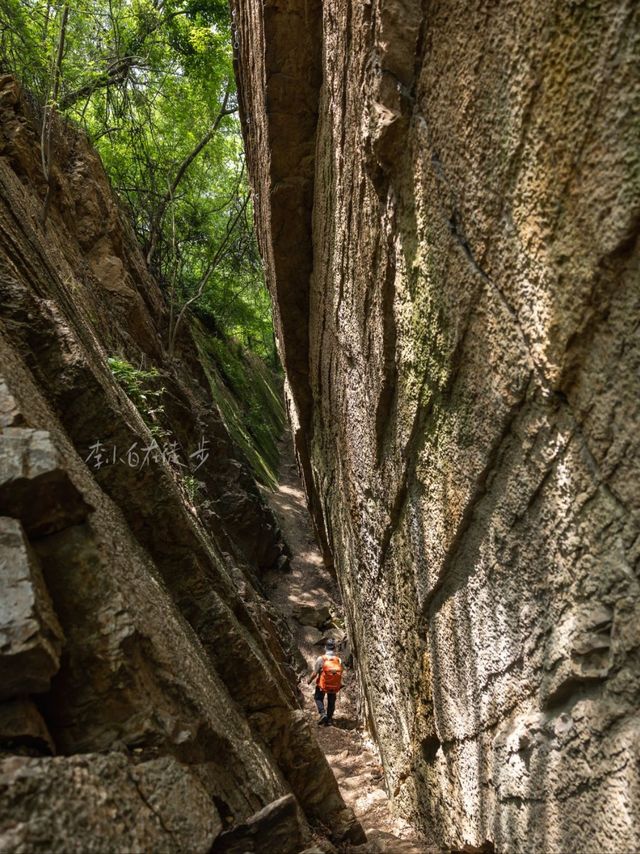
(327, 671)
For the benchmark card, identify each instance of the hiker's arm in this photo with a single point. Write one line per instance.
(314, 673)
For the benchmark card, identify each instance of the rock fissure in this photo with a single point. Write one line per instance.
(447, 205)
(157, 813)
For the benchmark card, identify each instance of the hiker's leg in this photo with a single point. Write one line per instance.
(331, 704)
(319, 698)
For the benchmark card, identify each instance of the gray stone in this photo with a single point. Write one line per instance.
(30, 635)
(312, 615)
(310, 636)
(10, 415)
(34, 486)
(277, 827)
(96, 803)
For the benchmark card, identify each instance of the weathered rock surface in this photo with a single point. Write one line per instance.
(462, 199)
(22, 728)
(310, 615)
(172, 655)
(95, 803)
(9, 414)
(30, 635)
(277, 827)
(34, 487)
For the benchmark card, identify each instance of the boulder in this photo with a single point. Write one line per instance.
(22, 728)
(277, 827)
(283, 564)
(10, 416)
(348, 829)
(34, 486)
(312, 615)
(97, 803)
(30, 635)
(310, 636)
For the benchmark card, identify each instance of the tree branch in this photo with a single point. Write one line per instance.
(156, 223)
(231, 225)
(115, 73)
(49, 110)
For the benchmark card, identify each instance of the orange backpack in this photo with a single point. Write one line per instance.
(330, 679)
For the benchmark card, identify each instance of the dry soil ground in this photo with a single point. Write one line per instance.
(349, 751)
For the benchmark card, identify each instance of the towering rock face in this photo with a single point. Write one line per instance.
(450, 224)
(135, 641)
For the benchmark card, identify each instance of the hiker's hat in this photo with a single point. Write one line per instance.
(331, 644)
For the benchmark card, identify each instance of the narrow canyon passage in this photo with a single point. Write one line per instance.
(409, 234)
(302, 596)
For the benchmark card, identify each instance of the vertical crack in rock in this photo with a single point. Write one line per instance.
(278, 64)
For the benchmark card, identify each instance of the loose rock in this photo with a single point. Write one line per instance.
(30, 635)
(34, 486)
(277, 827)
(22, 728)
(311, 615)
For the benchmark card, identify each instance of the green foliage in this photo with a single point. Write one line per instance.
(249, 384)
(248, 398)
(194, 488)
(141, 387)
(151, 82)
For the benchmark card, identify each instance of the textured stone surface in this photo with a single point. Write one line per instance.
(171, 650)
(30, 635)
(465, 396)
(95, 803)
(277, 827)
(22, 728)
(310, 615)
(9, 414)
(34, 487)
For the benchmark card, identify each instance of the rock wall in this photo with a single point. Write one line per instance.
(148, 693)
(462, 225)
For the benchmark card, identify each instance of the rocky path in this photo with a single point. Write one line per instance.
(350, 753)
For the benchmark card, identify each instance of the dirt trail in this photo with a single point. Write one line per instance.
(350, 753)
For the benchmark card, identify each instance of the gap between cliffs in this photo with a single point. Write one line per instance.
(300, 595)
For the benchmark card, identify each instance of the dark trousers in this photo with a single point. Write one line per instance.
(331, 702)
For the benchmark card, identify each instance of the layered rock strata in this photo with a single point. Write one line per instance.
(136, 645)
(449, 222)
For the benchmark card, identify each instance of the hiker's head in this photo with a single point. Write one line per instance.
(330, 646)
